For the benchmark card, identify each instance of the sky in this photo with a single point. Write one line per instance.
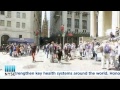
(48, 18)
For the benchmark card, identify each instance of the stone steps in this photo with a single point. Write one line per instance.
(100, 39)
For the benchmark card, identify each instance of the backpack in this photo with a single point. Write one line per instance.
(69, 47)
(14, 48)
(107, 49)
(87, 46)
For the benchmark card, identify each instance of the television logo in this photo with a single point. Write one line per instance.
(10, 70)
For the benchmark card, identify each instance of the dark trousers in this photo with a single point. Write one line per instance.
(119, 59)
(80, 53)
(94, 54)
(59, 57)
(11, 53)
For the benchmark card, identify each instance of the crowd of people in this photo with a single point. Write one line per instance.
(107, 51)
(18, 50)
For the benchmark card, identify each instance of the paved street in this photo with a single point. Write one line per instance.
(43, 64)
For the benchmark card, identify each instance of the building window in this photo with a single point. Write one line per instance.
(8, 14)
(76, 23)
(68, 22)
(76, 30)
(84, 24)
(20, 36)
(68, 30)
(84, 31)
(84, 14)
(17, 24)
(23, 25)
(8, 23)
(2, 13)
(18, 14)
(69, 12)
(2, 22)
(77, 13)
(23, 15)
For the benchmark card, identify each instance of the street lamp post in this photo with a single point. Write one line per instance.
(63, 34)
(62, 28)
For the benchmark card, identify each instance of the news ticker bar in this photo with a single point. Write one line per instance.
(65, 73)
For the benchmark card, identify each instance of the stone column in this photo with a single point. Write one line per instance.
(88, 23)
(92, 24)
(101, 24)
(72, 22)
(114, 19)
(118, 14)
(64, 19)
(80, 22)
(0, 40)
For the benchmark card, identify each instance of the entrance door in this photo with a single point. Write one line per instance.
(4, 39)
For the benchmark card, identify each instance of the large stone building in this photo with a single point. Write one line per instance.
(75, 22)
(106, 20)
(19, 24)
(44, 32)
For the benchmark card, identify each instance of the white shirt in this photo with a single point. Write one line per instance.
(81, 47)
(112, 50)
(118, 49)
(73, 47)
(96, 48)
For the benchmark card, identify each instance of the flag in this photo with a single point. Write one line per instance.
(36, 32)
(62, 28)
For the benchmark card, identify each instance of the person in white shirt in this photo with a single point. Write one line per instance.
(106, 55)
(112, 54)
(29, 49)
(119, 52)
(80, 48)
(96, 49)
(73, 50)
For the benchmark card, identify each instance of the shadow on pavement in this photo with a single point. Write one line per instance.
(39, 61)
(29, 66)
(66, 63)
(115, 69)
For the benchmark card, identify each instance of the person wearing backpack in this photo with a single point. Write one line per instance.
(106, 55)
(52, 52)
(87, 50)
(47, 49)
(73, 50)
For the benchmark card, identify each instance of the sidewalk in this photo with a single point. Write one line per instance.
(43, 64)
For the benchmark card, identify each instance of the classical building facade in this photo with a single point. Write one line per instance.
(75, 22)
(19, 24)
(44, 32)
(106, 20)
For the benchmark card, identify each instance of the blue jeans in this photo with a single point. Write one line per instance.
(11, 52)
(47, 51)
(95, 56)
